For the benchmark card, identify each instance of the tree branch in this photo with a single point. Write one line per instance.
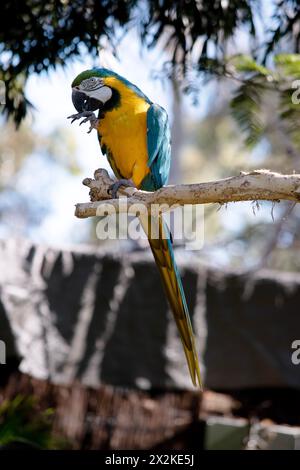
(255, 185)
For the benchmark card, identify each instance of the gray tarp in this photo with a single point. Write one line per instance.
(100, 318)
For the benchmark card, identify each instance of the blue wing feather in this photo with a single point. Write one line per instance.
(159, 148)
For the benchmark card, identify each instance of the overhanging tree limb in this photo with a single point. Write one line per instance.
(254, 185)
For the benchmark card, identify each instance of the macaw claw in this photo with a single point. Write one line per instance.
(83, 114)
(114, 188)
(88, 116)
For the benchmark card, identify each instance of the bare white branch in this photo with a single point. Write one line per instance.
(255, 185)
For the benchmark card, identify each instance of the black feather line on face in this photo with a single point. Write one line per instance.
(113, 102)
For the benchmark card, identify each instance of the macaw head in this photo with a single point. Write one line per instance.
(100, 88)
(89, 90)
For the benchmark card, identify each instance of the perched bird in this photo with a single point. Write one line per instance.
(134, 134)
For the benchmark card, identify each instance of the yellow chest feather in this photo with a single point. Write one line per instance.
(123, 131)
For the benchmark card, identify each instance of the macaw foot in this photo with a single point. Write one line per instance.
(114, 188)
(88, 116)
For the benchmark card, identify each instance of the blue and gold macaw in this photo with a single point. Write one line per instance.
(134, 134)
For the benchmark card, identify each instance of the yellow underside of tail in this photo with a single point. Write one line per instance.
(164, 258)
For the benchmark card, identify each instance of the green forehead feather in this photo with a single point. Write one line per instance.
(84, 75)
(97, 72)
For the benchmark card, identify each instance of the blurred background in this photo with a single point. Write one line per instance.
(75, 309)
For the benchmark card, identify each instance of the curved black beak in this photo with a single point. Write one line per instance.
(82, 102)
(78, 99)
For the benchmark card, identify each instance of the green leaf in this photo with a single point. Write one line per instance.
(289, 113)
(245, 108)
(245, 63)
(22, 421)
(289, 64)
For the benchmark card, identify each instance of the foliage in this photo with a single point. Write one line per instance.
(286, 20)
(259, 85)
(191, 27)
(22, 421)
(265, 114)
(35, 36)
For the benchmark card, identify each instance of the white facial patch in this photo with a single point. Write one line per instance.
(102, 94)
